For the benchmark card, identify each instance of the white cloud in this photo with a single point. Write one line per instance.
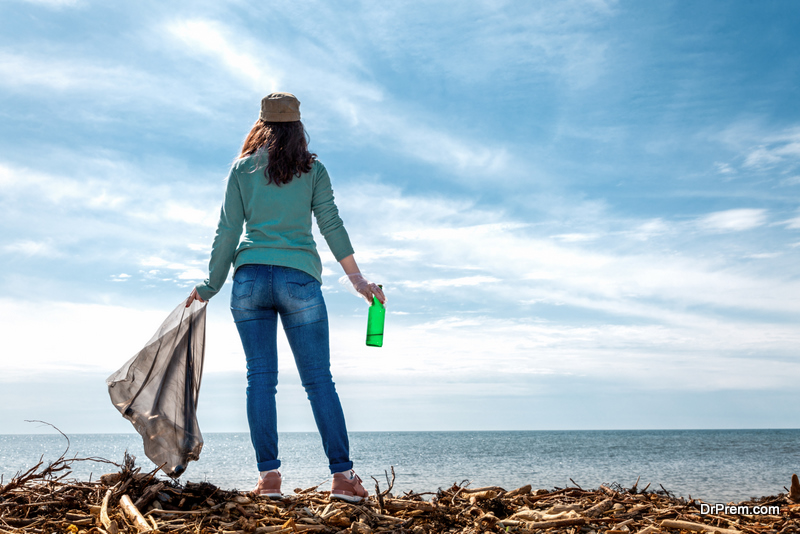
(793, 223)
(142, 224)
(101, 91)
(446, 231)
(761, 150)
(613, 275)
(56, 3)
(213, 39)
(32, 248)
(154, 261)
(190, 215)
(648, 230)
(61, 74)
(343, 97)
(576, 237)
(383, 253)
(99, 192)
(724, 168)
(21, 181)
(762, 157)
(193, 274)
(764, 255)
(735, 220)
(444, 283)
(708, 355)
(784, 147)
(463, 41)
(181, 270)
(94, 337)
(105, 200)
(705, 356)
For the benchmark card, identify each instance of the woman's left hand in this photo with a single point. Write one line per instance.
(194, 296)
(365, 288)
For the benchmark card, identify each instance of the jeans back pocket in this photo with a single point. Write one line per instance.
(300, 284)
(243, 281)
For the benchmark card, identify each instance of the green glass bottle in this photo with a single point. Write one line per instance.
(375, 320)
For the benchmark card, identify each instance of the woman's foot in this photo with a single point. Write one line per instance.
(269, 485)
(347, 486)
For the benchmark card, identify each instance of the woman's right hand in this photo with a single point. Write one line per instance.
(194, 296)
(366, 289)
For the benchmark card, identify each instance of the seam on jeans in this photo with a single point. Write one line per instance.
(248, 320)
(249, 310)
(304, 309)
(304, 324)
(271, 284)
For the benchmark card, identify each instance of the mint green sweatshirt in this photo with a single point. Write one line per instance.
(277, 223)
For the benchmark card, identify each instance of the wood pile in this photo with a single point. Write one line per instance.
(43, 501)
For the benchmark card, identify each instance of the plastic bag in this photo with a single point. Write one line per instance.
(157, 389)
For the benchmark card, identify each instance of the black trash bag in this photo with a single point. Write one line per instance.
(157, 389)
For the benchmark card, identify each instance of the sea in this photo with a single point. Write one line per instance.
(716, 466)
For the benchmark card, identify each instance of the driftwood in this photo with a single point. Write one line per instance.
(134, 514)
(41, 501)
(794, 490)
(524, 490)
(697, 527)
(110, 526)
(555, 523)
(599, 508)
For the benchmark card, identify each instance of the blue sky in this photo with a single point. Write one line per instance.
(585, 213)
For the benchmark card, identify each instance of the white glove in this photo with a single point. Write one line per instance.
(361, 287)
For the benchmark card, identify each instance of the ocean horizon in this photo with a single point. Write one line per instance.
(710, 465)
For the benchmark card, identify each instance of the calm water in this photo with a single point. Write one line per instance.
(713, 465)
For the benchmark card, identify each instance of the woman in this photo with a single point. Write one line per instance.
(274, 187)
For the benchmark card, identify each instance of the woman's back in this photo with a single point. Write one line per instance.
(278, 217)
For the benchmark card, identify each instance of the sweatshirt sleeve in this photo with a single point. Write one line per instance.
(327, 214)
(229, 230)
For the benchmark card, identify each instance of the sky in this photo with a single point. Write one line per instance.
(585, 214)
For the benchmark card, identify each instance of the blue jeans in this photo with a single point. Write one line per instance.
(260, 293)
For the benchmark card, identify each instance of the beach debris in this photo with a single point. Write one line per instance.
(42, 500)
(794, 490)
(697, 527)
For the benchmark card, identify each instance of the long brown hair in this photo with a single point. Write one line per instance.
(287, 149)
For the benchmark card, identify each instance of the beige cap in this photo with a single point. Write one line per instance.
(280, 107)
